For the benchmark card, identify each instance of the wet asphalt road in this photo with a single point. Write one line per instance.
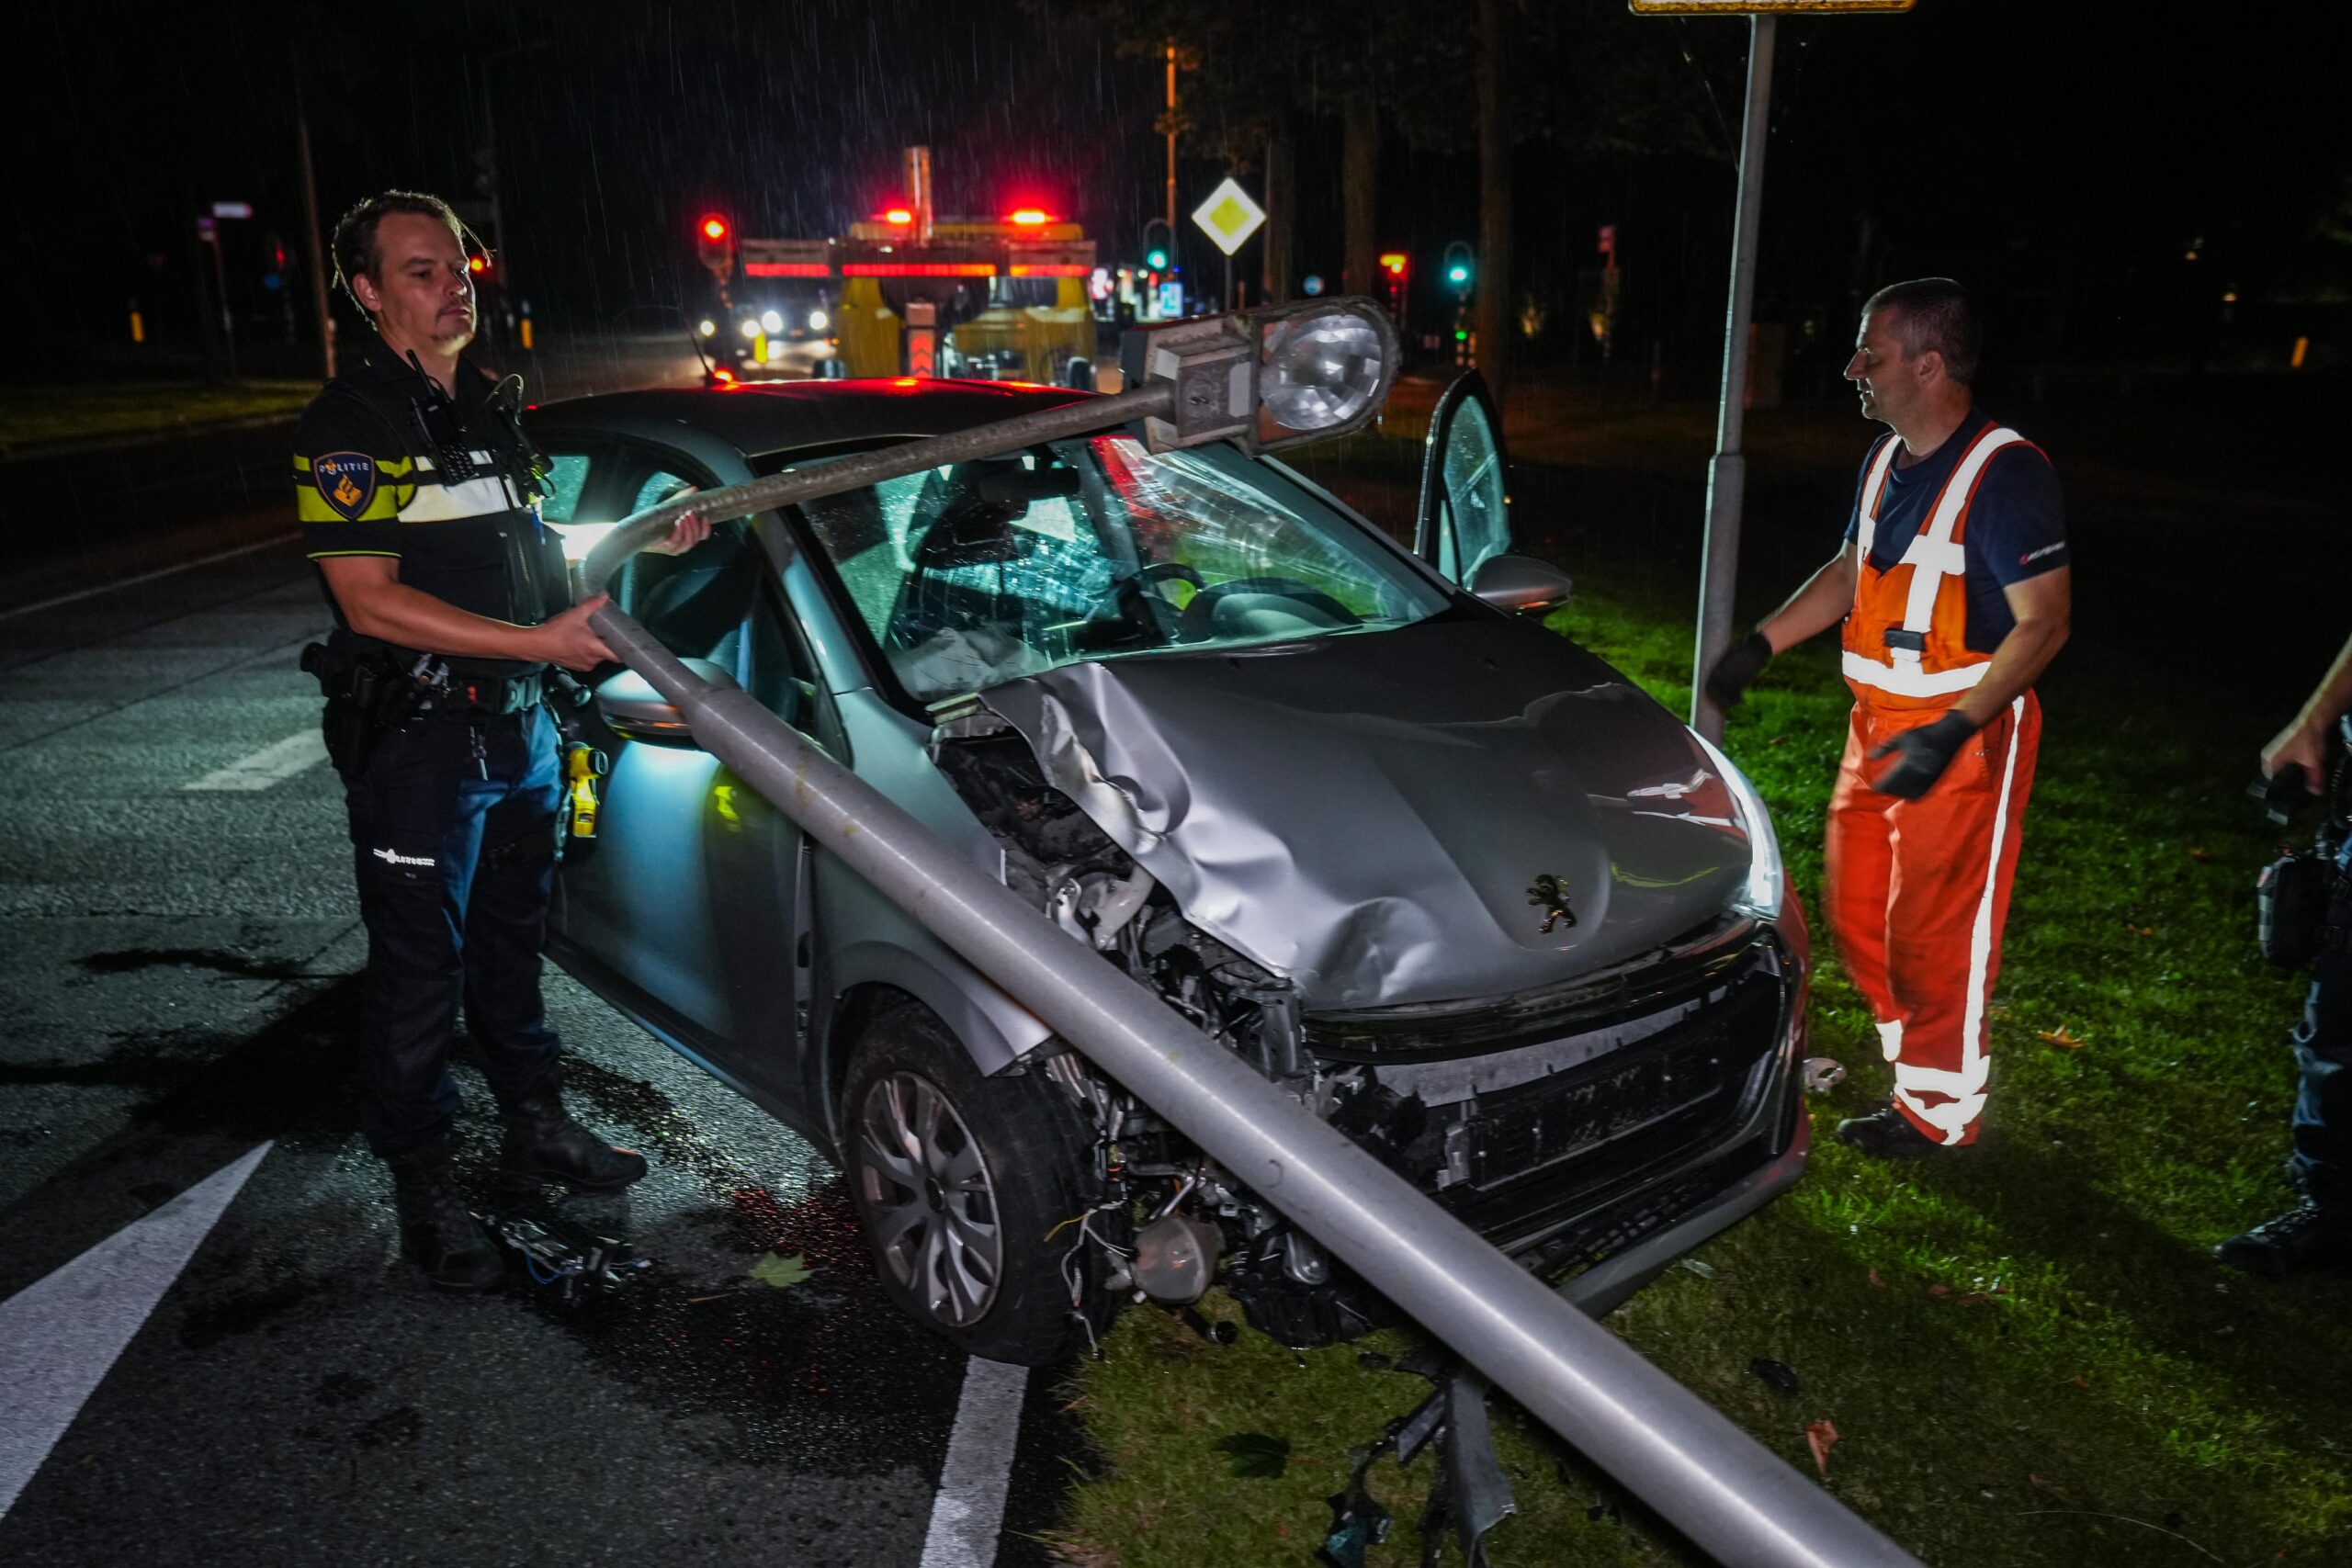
(179, 966)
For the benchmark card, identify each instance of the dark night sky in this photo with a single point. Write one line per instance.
(1980, 137)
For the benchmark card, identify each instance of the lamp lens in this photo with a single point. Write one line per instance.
(1322, 370)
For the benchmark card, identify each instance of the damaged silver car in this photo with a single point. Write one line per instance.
(1447, 877)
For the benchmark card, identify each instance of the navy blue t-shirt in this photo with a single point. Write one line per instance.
(2016, 525)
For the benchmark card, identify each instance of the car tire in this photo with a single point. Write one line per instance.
(968, 1230)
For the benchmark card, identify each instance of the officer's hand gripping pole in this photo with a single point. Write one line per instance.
(1737, 1499)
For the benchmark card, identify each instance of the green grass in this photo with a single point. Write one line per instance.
(2028, 1354)
(38, 416)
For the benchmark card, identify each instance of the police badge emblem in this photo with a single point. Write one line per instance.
(347, 481)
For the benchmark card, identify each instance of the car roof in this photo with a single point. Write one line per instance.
(763, 417)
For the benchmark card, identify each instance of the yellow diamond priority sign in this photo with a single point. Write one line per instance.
(1228, 216)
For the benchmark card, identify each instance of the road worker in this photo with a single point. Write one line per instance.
(1953, 585)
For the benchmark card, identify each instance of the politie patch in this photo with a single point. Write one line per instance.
(347, 481)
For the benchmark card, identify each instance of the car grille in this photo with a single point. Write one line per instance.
(1511, 1161)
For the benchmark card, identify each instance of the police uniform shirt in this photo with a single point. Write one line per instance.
(383, 466)
(2016, 529)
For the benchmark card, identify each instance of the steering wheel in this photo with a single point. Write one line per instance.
(1127, 597)
(1199, 621)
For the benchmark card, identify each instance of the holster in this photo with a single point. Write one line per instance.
(367, 697)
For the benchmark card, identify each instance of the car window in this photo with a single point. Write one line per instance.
(567, 474)
(656, 487)
(1477, 505)
(694, 604)
(968, 575)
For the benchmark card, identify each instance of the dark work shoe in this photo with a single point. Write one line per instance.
(2305, 1238)
(543, 1144)
(440, 1232)
(1887, 1134)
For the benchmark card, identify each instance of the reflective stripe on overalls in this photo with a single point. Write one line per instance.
(1918, 890)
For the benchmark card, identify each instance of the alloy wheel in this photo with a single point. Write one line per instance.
(933, 1205)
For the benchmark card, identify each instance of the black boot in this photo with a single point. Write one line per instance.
(2305, 1238)
(1887, 1134)
(439, 1230)
(543, 1144)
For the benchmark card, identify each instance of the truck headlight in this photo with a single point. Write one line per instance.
(818, 320)
(772, 320)
(1767, 879)
(751, 326)
(707, 327)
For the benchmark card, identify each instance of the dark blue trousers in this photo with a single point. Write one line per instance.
(2322, 1163)
(455, 872)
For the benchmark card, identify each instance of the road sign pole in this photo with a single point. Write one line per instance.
(1727, 474)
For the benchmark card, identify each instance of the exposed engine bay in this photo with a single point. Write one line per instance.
(1486, 1114)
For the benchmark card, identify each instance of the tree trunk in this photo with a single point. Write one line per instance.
(1359, 182)
(1281, 210)
(1493, 318)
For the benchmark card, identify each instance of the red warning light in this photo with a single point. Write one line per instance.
(714, 228)
(476, 265)
(1030, 217)
(898, 215)
(1392, 262)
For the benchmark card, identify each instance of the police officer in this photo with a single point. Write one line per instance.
(418, 495)
(2317, 1231)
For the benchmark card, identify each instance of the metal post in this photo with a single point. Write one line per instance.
(1727, 474)
(1719, 1486)
(310, 247)
(1172, 152)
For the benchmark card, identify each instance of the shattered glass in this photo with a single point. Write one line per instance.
(974, 574)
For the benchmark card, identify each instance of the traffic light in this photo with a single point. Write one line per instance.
(1158, 251)
(1460, 268)
(714, 241)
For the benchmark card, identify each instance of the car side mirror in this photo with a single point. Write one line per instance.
(1521, 584)
(633, 710)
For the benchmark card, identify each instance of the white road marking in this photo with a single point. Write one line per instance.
(59, 1336)
(271, 765)
(969, 1510)
(81, 594)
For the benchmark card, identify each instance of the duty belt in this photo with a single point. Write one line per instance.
(455, 695)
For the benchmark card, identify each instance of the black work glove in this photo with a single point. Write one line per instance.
(1926, 751)
(1737, 670)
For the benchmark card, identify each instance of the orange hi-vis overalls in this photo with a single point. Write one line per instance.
(1918, 889)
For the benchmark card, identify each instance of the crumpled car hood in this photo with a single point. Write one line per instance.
(1368, 815)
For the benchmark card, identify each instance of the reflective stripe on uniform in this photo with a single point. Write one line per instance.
(1966, 1086)
(1933, 557)
(486, 497)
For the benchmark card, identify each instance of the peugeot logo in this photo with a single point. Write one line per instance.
(1549, 892)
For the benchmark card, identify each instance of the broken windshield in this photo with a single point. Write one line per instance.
(976, 573)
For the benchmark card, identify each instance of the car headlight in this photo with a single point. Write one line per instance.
(818, 320)
(1767, 879)
(772, 320)
(751, 326)
(707, 327)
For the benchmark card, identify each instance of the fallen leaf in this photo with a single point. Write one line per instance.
(1255, 1455)
(1779, 1375)
(2060, 1038)
(2202, 856)
(1821, 1437)
(772, 1268)
(2138, 931)
(1875, 1279)
(1778, 740)
(1705, 1271)
(1939, 1292)
(2081, 1381)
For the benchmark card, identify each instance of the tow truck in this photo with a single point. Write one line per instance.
(908, 293)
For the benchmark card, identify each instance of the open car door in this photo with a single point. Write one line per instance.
(1466, 483)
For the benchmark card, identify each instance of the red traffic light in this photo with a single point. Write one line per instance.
(714, 228)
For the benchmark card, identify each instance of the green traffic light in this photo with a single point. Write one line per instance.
(1458, 274)
(1156, 260)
